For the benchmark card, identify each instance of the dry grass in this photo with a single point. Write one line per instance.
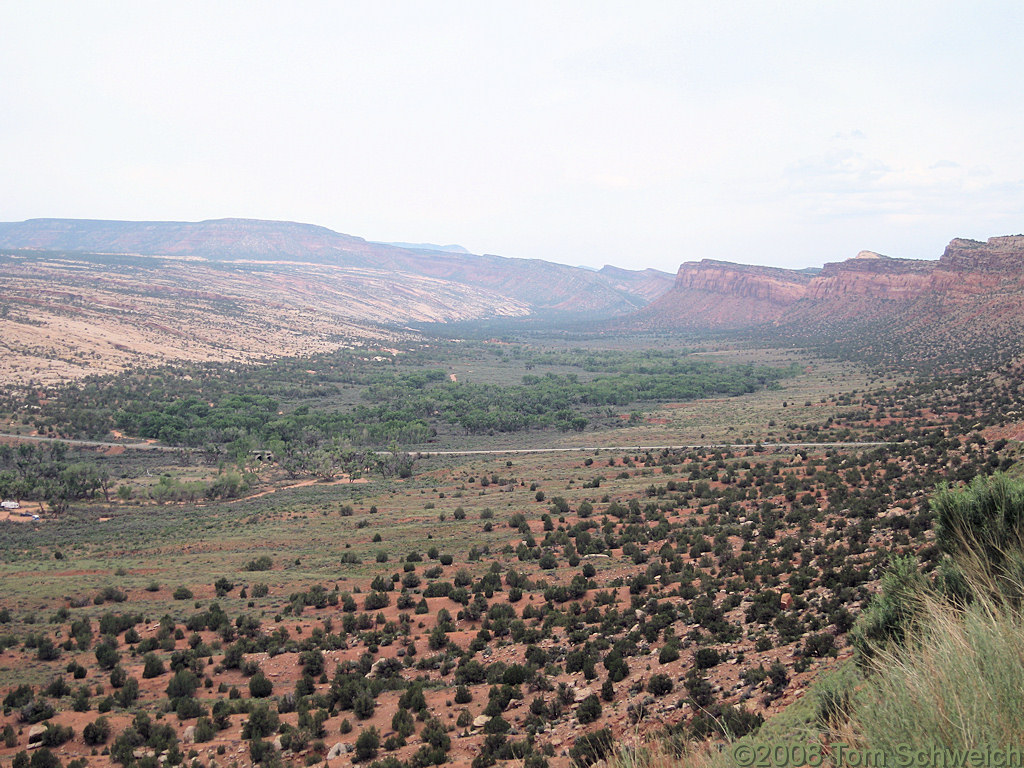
(958, 683)
(700, 755)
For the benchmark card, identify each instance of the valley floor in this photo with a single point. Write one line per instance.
(498, 602)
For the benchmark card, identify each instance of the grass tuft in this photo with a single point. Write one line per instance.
(957, 683)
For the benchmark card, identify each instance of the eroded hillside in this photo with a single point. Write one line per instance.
(70, 315)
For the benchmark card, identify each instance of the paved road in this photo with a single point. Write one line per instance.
(493, 451)
(634, 448)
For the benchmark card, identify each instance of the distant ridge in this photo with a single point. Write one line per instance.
(649, 283)
(973, 295)
(546, 287)
(428, 247)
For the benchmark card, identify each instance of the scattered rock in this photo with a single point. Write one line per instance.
(337, 751)
(480, 721)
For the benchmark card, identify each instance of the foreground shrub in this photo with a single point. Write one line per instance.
(891, 614)
(981, 530)
(958, 682)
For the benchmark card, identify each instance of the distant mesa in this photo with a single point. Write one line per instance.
(545, 287)
(986, 277)
(723, 295)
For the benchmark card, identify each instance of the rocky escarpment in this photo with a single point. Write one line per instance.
(717, 294)
(720, 294)
(949, 310)
(966, 267)
(767, 284)
(872, 275)
(1003, 256)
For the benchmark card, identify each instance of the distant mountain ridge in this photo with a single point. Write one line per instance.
(544, 286)
(426, 247)
(90, 296)
(972, 294)
(648, 283)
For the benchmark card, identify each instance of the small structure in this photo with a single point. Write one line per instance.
(9, 505)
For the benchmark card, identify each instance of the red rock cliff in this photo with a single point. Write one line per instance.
(770, 284)
(718, 294)
(873, 276)
(1003, 255)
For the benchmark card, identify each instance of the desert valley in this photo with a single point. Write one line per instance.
(277, 495)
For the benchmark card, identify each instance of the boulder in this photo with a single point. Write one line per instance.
(337, 751)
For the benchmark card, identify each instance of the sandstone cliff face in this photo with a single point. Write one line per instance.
(1004, 255)
(874, 277)
(966, 267)
(719, 294)
(768, 284)
(711, 294)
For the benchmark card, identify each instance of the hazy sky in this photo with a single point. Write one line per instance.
(633, 133)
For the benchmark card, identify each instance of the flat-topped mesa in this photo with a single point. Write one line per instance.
(768, 284)
(872, 275)
(545, 287)
(998, 254)
(723, 295)
(986, 277)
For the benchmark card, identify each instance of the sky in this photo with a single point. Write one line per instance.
(640, 134)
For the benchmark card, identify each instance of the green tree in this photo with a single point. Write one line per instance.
(262, 722)
(589, 710)
(260, 686)
(182, 685)
(890, 615)
(152, 666)
(367, 744)
(363, 706)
